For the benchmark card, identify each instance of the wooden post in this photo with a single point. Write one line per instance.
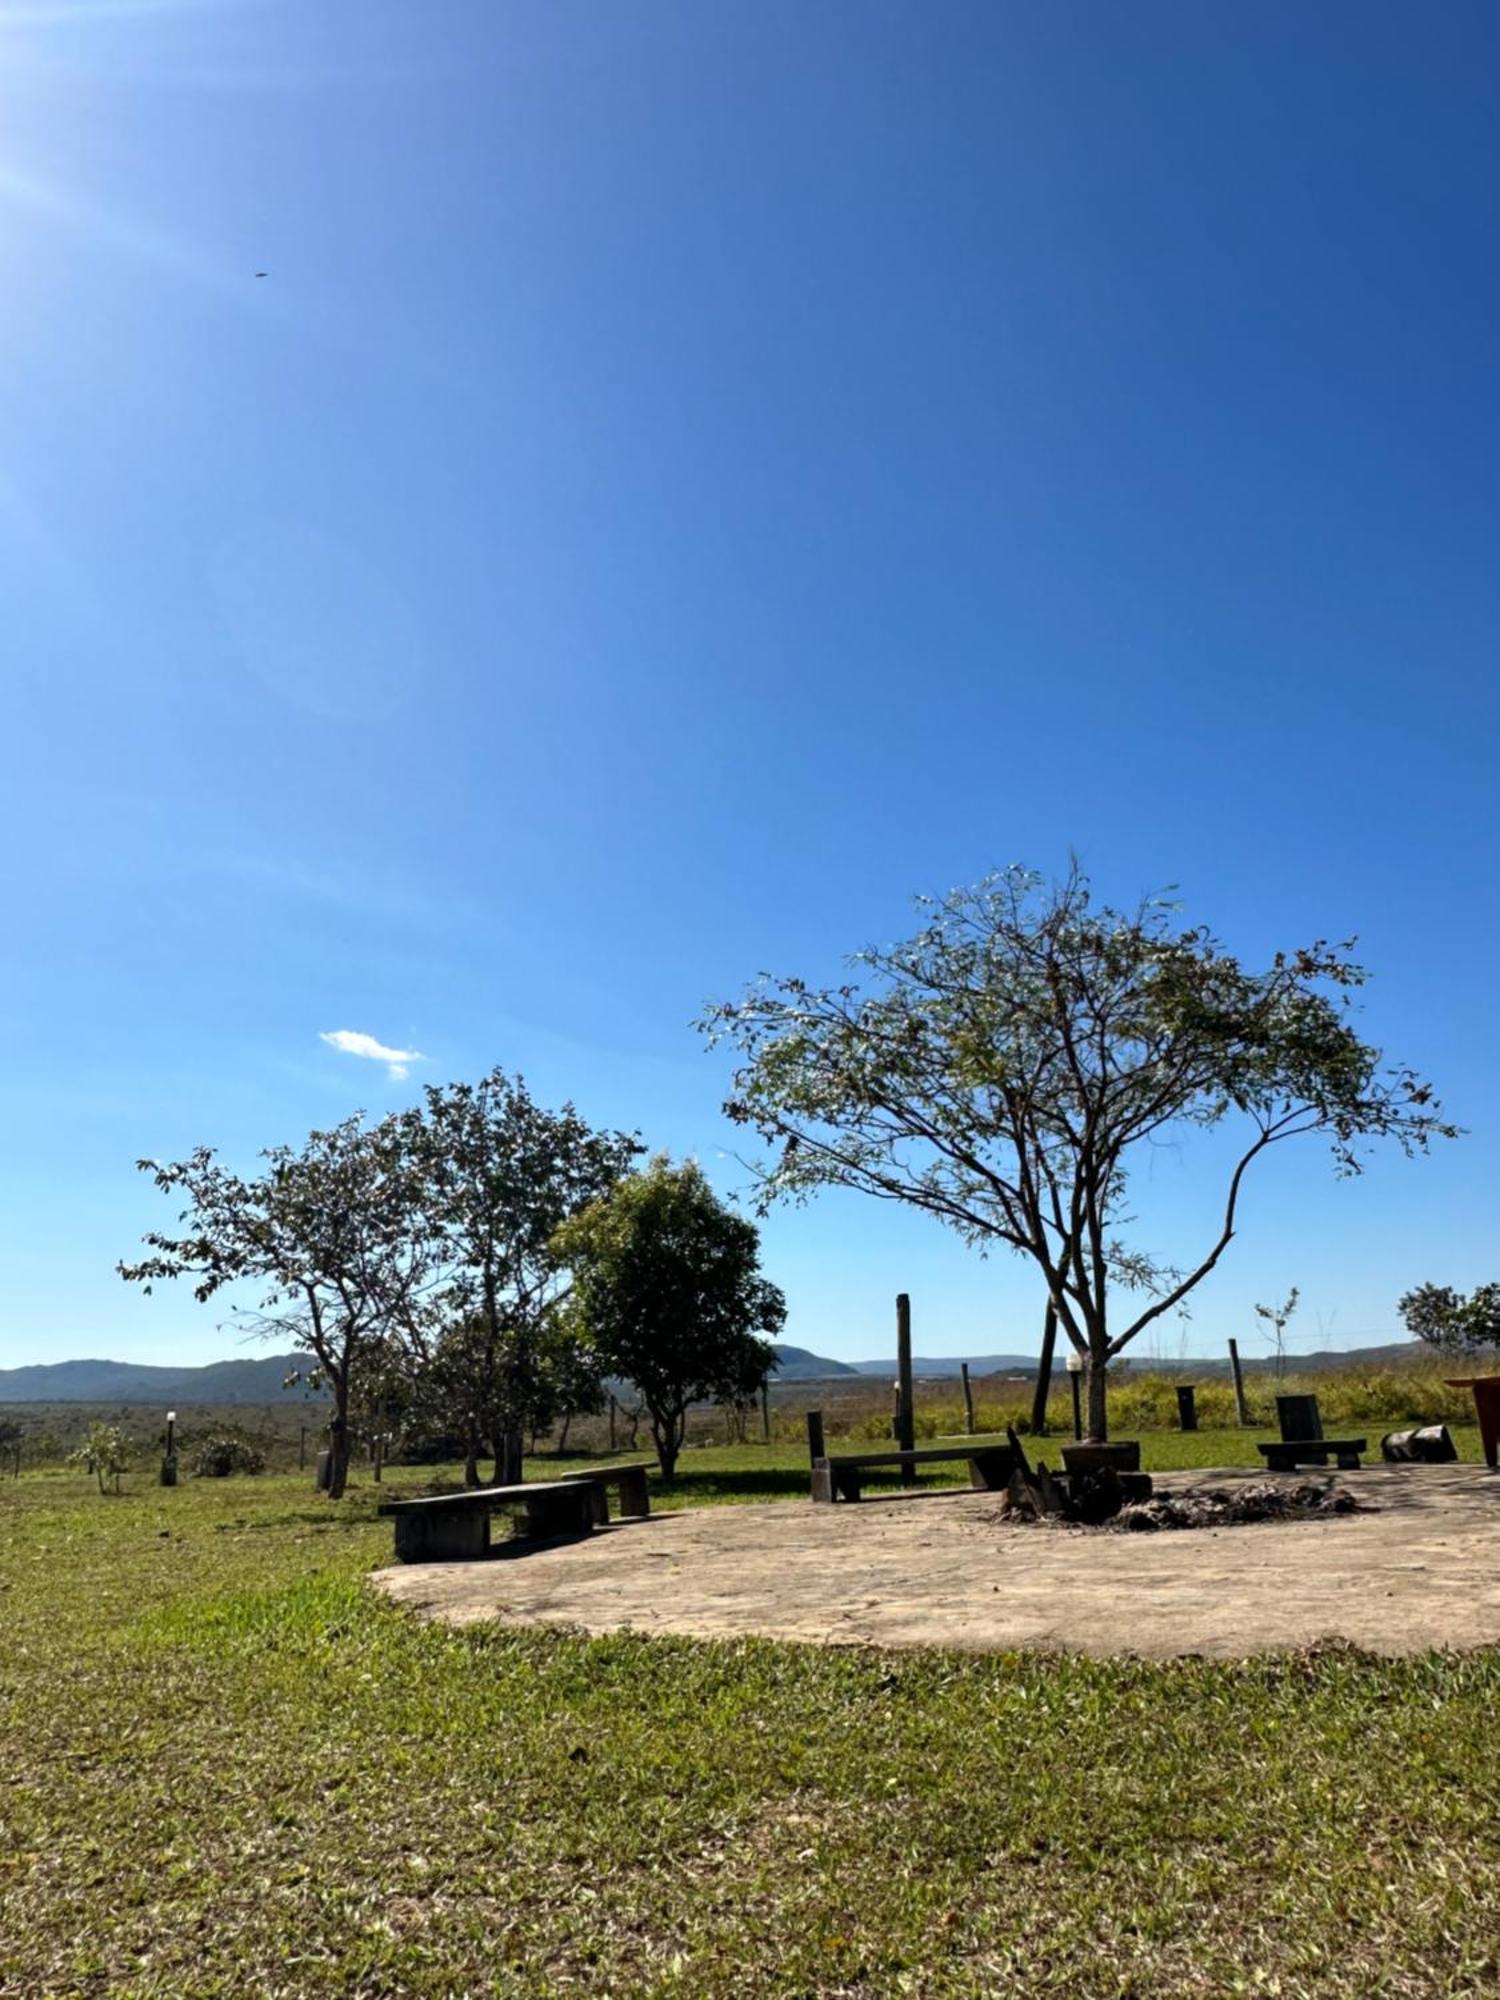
(963, 1376)
(765, 1413)
(1044, 1373)
(379, 1455)
(302, 1447)
(1241, 1407)
(907, 1434)
(815, 1446)
(613, 1406)
(1187, 1407)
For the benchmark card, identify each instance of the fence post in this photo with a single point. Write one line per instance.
(907, 1429)
(963, 1375)
(1241, 1408)
(1187, 1408)
(765, 1413)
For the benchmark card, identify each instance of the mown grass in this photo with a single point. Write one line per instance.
(227, 1768)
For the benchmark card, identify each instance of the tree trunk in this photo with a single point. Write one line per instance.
(1098, 1421)
(338, 1453)
(508, 1458)
(666, 1433)
(562, 1436)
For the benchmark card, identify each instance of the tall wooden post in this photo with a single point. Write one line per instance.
(816, 1448)
(963, 1376)
(765, 1413)
(613, 1407)
(1241, 1407)
(1044, 1373)
(907, 1432)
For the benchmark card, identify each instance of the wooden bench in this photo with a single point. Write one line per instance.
(455, 1527)
(1292, 1452)
(837, 1475)
(635, 1497)
(1302, 1441)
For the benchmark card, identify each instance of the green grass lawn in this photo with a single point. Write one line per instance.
(226, 1768)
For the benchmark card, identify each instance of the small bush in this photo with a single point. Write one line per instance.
(224, 1452)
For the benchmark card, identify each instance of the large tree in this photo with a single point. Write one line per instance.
(667, 1285)
(500, 1173)
(1448, 1321)
(328, 1239)
(1010, 1062)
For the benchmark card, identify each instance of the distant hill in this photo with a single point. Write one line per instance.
(255, 1379)
(260, 1378)
(928, 1367)
(800, 1364)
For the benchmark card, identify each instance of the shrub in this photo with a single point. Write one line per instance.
(105, 1452)
(224, 1452)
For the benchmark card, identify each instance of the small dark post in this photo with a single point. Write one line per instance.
(963, 1376)
(1044, 1373)
(302, 1447)
(765, 1412)
(1242, 1409)
(379, 1455)
(815, 1446)
(907, 1433)
(169, 1456)
(613, 1408)
(1187, 1408)
(1075, 1378)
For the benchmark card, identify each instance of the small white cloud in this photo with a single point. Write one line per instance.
(351, 1043)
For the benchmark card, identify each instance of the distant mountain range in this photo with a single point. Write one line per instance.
(262, 1378)
(256, 1379)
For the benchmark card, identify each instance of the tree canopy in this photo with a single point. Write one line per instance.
(1447, 1320)
(667, 1287)
(1004, 1067)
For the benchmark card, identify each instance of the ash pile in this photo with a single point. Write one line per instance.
(1125, 1503)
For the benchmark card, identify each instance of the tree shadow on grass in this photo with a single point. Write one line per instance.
(753, 1482)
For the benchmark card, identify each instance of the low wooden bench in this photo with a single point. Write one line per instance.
(1290, 1453)
(455, 1527)
(837, 1476)
(1302, 1441)
(635, 1496)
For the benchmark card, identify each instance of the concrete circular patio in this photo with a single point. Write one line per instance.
(1421, 1569)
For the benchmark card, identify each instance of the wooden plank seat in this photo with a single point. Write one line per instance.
(1302, 1441)
(836, 1476)
(635, 1496)
(455, 1527)
(1290, 1453)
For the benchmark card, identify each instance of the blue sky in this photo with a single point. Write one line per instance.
(692, 476)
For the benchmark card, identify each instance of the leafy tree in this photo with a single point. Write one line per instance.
(499, 1175)
(1022, 1050)
(1279, 1318)
(1450, 1322)
(331, 1236)
(667, 1282)
(105, 1452)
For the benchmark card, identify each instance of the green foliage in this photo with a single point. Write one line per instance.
(1450, 1322)
(667, 1287)
(223, 1452)
(499, 1174)
(329, 1235)
(1011, 1060)
(232, 1772)
(105, 1452)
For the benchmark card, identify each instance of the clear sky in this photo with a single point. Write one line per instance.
(691, 476)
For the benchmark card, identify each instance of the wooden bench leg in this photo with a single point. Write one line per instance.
(635, 1495)
(989, 1471)
(845, 1482)
(569, 1511)
(822, 1482)
(435, 1536)
(1348, 1461)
